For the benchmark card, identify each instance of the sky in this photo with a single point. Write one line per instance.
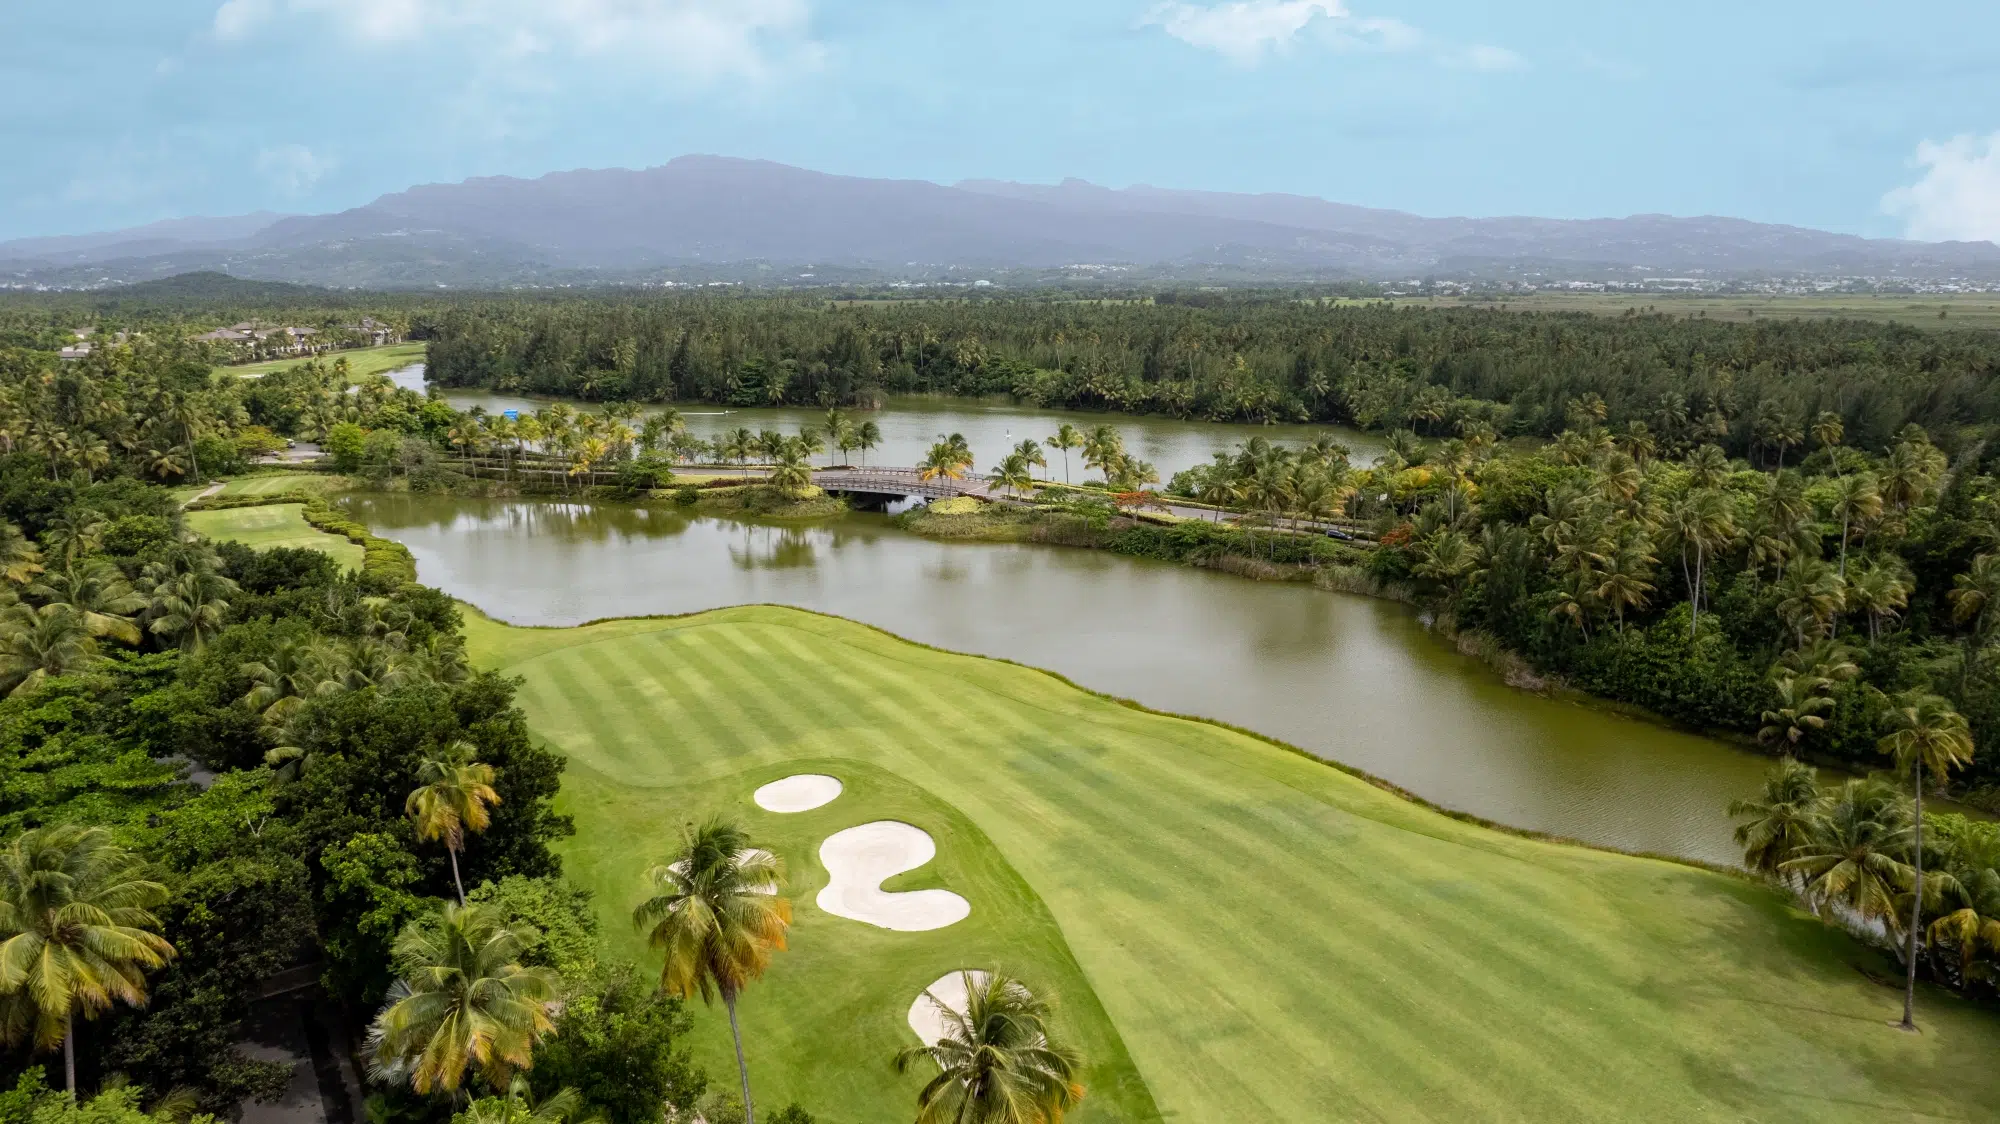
(1862, 116)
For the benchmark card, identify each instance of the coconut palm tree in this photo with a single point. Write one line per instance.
(1626, 582)
(1782, 817)
(1882, 591)
(1927, 733)
(464, 1002)
(519, 1106)
(1066, 438)
(1702, 520)
(1708, 467)
(97, 594)
(1800, 707)
(454, 796)
(77, 933)
(996, 1063)
(1854, 850)
(75, 532)
(20, 561)
(1102, 450)
(1976, 921)
(948, 458)
(190, 607)
(717, 918)
(791, 474)
(866, 437)
(1012, 474)
(38, 646)
(1810, 595)
(1030, 452)
(1827, 429)
(1858, 503)
(837, 429)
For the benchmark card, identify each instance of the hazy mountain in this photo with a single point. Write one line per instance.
(703, 215)
(165, 236)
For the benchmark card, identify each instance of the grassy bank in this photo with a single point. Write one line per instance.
(274, 525)
(1254, 934)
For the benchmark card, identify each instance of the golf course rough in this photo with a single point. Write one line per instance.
(273, 525)
(1230, 930)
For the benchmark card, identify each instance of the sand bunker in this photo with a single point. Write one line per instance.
(800, 793)
(860, 858)
(926, 1016)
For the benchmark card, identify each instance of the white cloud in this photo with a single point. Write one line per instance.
(1246, 31)
(701, 39)
(292, 168)
(1958, 197)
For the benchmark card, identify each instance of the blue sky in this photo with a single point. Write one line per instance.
(1854, 115)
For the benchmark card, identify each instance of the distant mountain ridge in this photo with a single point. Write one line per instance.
(698, 213)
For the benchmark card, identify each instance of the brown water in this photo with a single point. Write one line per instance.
(1351, 678)
(910, 425)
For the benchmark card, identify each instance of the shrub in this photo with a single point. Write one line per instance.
(956, 505)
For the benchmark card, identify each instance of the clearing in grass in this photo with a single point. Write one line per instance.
(1234, 931)
(273, 525)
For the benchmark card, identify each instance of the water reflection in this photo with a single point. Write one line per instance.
(910, 424)
(1351, 678)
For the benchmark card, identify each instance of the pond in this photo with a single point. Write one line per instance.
(1350, 678)
(911, 424)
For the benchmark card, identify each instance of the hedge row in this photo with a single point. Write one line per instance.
(384, 559)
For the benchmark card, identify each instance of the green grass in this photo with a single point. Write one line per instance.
(361, 361)
(273, 525)
(277, 483)
(1236, 932)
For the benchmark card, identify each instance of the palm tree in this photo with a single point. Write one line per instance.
(791, 474)
(1782, 817)
(996, 1063)
(1853, 854)
(1102, 450)
(717, 918)
(190, 607)
(1810, 594)
(1704, 520)
(1882, 591)
(20, 561)
(464, 1002)
(1626, 580)
(454, 796)
(1030, 452)
(75, 532)
(1012, 474)
(519, 1106)
(99, 596)
(948, 458)
(1975, 922)
(838, 429)
(1065, 439)
(77, 933)
(38, 646)
(1800, 707)
(867, 437)
(1858, 502)
(1927, 733)
(1827, 429)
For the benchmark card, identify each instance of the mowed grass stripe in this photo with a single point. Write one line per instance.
(1210, 863)
(1213, 863)
(1271, 938)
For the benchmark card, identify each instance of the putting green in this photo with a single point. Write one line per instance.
(272, 525)
(1236, 932)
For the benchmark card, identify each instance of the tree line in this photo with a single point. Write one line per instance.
(1750, 388)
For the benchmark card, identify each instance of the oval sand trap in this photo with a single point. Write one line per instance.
(947, 994)
(859, 859)
(800, 793)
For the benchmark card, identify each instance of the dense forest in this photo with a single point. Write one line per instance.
(1750, 386)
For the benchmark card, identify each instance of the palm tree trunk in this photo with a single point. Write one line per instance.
(460, 886)
(1916, 911)
(69, 1057)
(742, 1067)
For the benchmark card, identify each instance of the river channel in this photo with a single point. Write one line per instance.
(1350, 678)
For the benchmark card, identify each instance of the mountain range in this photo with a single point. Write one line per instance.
(712, 217)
